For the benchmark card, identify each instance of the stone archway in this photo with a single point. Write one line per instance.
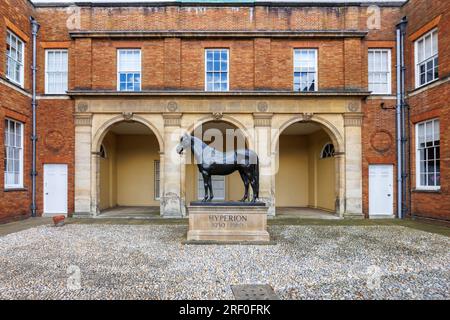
(315, 131)
(327, 126)
(138, 168)
(103, 130)
(247, 132)
(191, 181)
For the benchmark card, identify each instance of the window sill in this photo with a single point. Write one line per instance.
(382, 94)
(428, 86)
(15, 189)
(15, 86)
(418, 190)
(425, 85)
(63, 96)
(15, 83)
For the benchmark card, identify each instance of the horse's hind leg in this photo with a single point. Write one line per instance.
(246, 183)
(255, 188)
(255, 185)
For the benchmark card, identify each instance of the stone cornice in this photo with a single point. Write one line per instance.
(185, 93)
(219, 34)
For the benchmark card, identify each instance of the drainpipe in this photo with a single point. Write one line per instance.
(400, 118)
(34, 31)
(405, 123)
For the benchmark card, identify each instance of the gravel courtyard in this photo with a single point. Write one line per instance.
(149, 262)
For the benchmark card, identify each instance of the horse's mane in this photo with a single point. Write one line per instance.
(196, 140)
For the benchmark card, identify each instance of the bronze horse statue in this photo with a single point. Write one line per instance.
(214, 162)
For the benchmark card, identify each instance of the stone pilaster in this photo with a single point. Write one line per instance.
(263, 143)
(353, 165)
(340, 183)
(172, 204)
(95, 183)
(83, 127)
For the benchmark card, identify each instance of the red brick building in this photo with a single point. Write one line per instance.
(312, 89)
(428, 100)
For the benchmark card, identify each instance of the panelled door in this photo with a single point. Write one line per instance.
(55, 189)
(381, 197)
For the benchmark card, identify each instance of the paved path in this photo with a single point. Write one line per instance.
(20, 225)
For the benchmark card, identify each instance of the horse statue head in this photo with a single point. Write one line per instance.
(185, 143)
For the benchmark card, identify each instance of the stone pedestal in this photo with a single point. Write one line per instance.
(227, 223)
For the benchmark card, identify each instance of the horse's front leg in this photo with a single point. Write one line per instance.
(211, 194)
(205, 185)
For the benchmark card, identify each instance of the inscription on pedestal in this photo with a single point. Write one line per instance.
(228, 223)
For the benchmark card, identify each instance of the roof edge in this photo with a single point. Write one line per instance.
(220, 34)
(213, 3)
(231, 93)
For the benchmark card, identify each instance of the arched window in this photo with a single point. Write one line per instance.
(102, 152)
(327, 151)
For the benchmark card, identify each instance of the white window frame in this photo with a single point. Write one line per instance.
(157, 179)
(323, 149)
(389, 70)
(417, 63)
(17, 39)
(137, 71)
(316, 67)
(102, 152)
(66, 76)
(19, 185)
(418, 172)
(228, 69)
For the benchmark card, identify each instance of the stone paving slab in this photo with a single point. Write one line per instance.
(20, 225)
(102, 261)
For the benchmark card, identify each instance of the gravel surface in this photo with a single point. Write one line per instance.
(149, 262)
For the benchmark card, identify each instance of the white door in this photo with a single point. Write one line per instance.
(381, 196)
(218, 184)
(55, 189)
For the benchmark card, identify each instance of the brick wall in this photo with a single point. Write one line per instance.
(172, 63)
(15, 104)
(14, 16)
(379, 141)
(178, 63)
(255, 64)
(56, 144)
(431, 101)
